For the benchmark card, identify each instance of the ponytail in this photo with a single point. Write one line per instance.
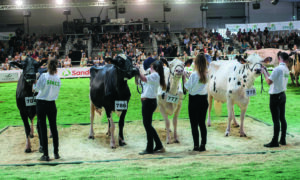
(52, 66)
(159, 68)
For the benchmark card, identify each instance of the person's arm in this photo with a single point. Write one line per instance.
(40, 84)
(267, 76)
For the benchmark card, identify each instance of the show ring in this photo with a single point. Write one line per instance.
(76, 148)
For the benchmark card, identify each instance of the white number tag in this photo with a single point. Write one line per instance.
(30, 101)
(251, 92)
(120, 105)
(172, 99)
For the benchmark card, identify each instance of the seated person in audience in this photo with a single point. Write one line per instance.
(224, 57)
(101, 61)
(230, 49)
(17, 57)
(23, 57)
(96, 61)
(67, 62)
(60, 63)
(90, 62)
(244, 47)
(258, 46)
(83, 61)
(5, 65)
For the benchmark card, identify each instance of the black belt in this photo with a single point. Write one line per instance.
(278, 93)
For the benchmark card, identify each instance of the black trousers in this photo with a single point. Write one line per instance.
(277, 107)
(148, 108)
(43, 109)
(198, 106)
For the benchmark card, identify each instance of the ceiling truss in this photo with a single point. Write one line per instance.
(113, 3)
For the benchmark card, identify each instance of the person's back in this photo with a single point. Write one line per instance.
(148, 61)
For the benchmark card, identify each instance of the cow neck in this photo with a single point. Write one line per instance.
(174, 82)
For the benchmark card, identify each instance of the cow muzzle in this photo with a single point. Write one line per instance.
(257, 71)
(30, 77)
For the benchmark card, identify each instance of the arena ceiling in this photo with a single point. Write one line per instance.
(45, 4)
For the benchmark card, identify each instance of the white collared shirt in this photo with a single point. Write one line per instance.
(194, 86)
(48, 87)
(280, 77)
(150, 88)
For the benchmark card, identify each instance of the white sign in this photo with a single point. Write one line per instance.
(8, 76)
(172, 99)
(120, 105)
(250, 92)
(30, 101)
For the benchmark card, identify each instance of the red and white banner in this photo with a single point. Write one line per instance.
(73, 72)
(14, 75)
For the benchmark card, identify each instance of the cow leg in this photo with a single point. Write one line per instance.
(32, 129)
(175, 118)
(235, 123)
(121, 127)
(165, 116)
(108, 129)
(230, 116)
(112, 130)
(210, 98)
(292, 78)
(243, 112)
(297, 79)
(92, 116)
(27, 131)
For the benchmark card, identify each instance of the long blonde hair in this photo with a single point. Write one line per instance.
(201, 67)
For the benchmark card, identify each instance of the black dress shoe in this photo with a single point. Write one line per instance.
(282, 142)
(56, 156)
(202, 148)
(272, 144)
(196, 148)
(159, 150)
(44, 158)
(145, 152)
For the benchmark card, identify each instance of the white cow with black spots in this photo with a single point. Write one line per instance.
(228, 82)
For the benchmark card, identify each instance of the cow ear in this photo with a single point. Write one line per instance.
(21, 66)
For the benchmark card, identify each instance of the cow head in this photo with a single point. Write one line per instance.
(176, 67)
(255, 63)
(125, 66)
(30, 68)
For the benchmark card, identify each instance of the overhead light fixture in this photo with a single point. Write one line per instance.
(274, 2)
(59, 2)
(100, 0)
(19, 2)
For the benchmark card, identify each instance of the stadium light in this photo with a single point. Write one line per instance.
(100, 0)
(59, 2)
(19, 2)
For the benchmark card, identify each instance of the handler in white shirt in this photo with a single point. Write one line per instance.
(278, 83)
(198, 104)
(48, 87)
(149, 104)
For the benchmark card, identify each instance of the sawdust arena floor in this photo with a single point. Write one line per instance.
(74, 144)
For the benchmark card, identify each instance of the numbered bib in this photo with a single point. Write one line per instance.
(30, 101)
(250, 92)
(172, 99)
(120, 105)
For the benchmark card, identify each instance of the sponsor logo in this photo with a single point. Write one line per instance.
(66, 73)
(80, 73)
(8, 75)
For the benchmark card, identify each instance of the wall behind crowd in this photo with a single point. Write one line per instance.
(180, 17)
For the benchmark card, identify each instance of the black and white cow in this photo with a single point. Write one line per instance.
(108, 84)
(24, 95)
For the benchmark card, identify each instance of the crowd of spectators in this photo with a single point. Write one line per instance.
(20, 46)
(212, 43)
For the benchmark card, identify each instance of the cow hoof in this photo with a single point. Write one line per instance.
(243, 135)
(176, 141)
(51, 136)
(122, 142)
(108, 134)
(226, 134)
(91, 137)
(31, 136)
(113, 147)
(27, 150)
